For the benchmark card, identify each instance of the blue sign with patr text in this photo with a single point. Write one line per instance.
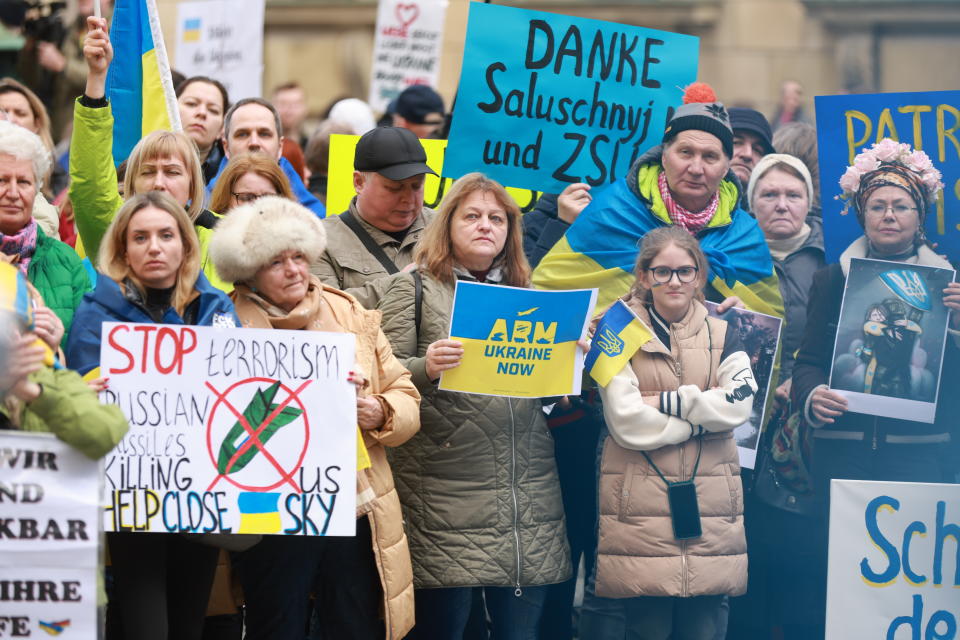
(928, 121)
(546, 99)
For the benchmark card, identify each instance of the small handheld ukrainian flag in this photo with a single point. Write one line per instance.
(619, 335)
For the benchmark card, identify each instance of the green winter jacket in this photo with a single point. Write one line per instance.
(70, 410)
(478, 483)
(58, 274)
(93, 185)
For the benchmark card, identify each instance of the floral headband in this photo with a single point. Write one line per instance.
(890, 163)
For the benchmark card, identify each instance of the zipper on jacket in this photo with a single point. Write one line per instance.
(875, 427)
(678, 363)
(513, 489)
(683, 543)
(683, 569)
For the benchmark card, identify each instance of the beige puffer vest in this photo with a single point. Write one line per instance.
(637, 554)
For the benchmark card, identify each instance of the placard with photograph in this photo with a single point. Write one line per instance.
(760, 335)
(888, 354)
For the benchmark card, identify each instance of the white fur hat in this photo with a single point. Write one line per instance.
(251, 235)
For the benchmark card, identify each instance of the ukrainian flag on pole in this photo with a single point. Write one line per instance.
(139, 85)
(619, 335)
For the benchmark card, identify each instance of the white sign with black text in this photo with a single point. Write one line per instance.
(49, 537)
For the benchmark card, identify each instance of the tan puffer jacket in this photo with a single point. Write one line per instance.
(637, 552)
(389, 381)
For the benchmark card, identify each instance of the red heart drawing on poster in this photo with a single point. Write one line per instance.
(407, 13)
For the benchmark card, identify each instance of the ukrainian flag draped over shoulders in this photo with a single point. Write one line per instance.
(600, 249)
(139, 84)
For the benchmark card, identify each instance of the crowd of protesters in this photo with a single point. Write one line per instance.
(478, 513)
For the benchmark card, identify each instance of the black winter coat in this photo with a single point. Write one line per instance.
(813, 369)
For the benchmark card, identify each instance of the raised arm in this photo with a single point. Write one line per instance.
(93, 178)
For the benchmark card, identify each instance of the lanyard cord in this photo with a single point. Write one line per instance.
(696, 464)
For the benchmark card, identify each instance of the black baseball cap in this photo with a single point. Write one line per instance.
(416, 102)
(393, 152)
(744, 119)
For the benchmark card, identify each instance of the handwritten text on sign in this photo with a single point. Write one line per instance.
(547, 99)
(406, 50)
(222, 39)
(240, 431)
(929, 121)
(49, 537)
(894, 567)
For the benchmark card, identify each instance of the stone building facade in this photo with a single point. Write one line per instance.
(748, 47)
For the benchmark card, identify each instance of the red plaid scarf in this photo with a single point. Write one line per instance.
(692, 222)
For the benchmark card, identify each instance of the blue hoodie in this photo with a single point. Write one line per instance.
(300, 190)
(107, 303)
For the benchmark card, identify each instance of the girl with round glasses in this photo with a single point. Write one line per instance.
(665, 561)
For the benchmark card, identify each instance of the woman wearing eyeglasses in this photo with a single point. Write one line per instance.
(671, 537)
(892, 189)
(247, 178)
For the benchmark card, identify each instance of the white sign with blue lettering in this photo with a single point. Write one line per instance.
(894, 567)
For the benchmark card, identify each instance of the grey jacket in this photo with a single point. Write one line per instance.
(478, 483)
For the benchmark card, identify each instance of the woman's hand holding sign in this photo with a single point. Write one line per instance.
(370, 414)
(826, 404)
(951, 298)
(443, 355)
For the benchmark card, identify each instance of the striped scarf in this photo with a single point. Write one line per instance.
(692, 222)
(21, 245)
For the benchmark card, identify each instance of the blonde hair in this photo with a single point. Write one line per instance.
(167, 144)
(239, 166)
(435, 252)
(656, 241)
(112, 259)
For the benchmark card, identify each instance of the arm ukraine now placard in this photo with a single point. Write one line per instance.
(518, 342)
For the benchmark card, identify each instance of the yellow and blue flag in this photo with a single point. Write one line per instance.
(191, 30)
(55, 627)
(15, 299)
(139, 84)
(619, 335)
(258, 512)
(600, 249)
(15, 295)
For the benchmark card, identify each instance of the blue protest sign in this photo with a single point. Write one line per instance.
(929, 121)
(547, 99)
